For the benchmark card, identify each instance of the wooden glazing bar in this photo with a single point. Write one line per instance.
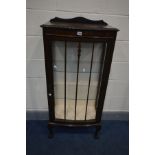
(89, 80)
(65, 80)
(77, 78)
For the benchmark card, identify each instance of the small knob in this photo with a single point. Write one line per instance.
(49, 94)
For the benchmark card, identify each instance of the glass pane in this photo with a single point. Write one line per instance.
(71, 79)
(58, 68)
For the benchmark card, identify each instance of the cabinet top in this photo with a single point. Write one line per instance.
(78, 23)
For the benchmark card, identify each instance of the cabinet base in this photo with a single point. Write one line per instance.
(51, 125)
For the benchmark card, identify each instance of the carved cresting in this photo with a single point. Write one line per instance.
(78, 20)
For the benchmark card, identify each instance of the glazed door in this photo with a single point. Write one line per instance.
(77, 74)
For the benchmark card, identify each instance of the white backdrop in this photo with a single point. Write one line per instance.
(114, 12)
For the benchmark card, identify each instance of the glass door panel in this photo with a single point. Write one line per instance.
(76, 73)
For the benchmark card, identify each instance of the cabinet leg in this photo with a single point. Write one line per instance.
(50, 132)
(98, 128)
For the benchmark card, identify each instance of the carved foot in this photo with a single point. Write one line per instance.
(98, 128)
(50, 132)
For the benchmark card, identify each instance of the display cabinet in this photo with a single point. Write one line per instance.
(78, 54)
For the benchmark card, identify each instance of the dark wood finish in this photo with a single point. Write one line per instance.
(77, 20)
(49, 77)
(79, 30)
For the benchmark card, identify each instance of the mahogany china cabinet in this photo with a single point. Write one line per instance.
(78, 54)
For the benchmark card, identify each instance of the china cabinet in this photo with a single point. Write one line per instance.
(78, 54)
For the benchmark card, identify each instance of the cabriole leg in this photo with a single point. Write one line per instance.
(98, 128)
(50, 131)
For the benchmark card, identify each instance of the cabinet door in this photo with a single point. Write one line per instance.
(77, 69)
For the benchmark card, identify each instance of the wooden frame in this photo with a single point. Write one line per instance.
(79, 30)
